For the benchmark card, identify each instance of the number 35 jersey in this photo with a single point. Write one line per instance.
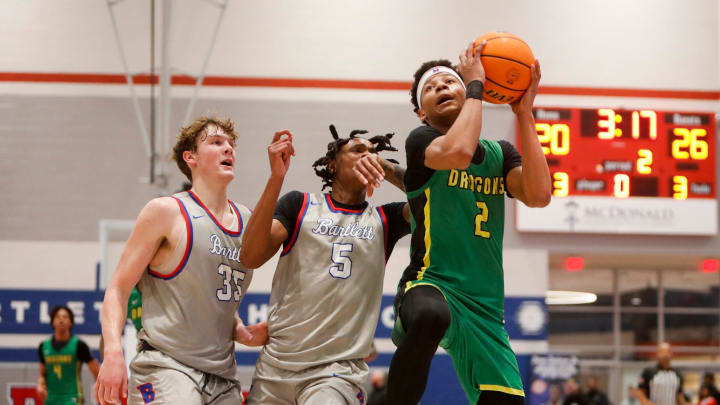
(189, 304)
(327, 287)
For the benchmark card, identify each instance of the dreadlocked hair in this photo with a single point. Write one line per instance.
(381, 142)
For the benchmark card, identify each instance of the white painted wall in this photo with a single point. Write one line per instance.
(657, 44)
(57, 265)
(615, 43)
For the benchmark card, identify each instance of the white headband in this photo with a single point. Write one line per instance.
(430, 73)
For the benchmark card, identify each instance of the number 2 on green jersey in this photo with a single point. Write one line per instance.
(480, 219)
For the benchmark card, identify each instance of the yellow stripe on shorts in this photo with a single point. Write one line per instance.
(507, 390)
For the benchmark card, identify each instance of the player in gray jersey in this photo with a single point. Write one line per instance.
(327, 287)
(185, 251)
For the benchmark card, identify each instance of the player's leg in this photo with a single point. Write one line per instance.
(152, 381)
(333, 391)
(495, 398)
(267, 392)
(271, 385)
(339, 383)
(322, 396)
(483, 359)
(425, 316)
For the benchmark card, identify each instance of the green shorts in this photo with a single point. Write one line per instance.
(478, 346)
(62, 400)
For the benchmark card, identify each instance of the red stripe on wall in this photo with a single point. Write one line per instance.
(62, 77)
(230, 81)
(101, 78)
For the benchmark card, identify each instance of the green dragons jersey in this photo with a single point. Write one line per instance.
(457, 227)
(457, 231)
(134, 310)
(62, 373)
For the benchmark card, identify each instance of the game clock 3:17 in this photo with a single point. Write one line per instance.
(628, 153)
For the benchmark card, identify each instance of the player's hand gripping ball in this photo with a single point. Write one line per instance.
(506, 59)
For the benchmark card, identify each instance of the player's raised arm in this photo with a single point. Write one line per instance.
(264, 235)
(455, 149)
(153, 224)
(371, 169)
(530, 183)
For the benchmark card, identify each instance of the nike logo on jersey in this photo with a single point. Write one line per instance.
(315, 203)
(197, 216)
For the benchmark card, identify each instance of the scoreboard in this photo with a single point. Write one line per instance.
(626, 171)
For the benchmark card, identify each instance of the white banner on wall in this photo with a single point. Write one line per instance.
(635, 215)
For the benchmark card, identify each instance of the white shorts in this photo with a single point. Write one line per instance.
(156, 379)
(339, 383)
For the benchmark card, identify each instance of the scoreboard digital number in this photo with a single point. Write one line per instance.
(626, 171)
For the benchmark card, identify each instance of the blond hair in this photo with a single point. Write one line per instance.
(188, 136)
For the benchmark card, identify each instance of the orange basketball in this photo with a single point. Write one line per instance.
(506, 59)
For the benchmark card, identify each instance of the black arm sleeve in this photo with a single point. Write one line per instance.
(40, 353)
(511, 157)
(417, 173)
(83, 352)
(287, 209)
(511, 160)
(681, 379)
(644, 383)
(396, 223)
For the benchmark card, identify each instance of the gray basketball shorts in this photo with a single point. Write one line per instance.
(339, 383)
(156, 378)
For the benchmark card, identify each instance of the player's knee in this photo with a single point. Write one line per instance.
(432, 320)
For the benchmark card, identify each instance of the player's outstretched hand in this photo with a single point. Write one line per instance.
(279, 152)
(111, 383)
(525, 103)
(252, 335)
(370, 172)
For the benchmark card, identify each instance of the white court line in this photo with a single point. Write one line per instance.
(31, 341)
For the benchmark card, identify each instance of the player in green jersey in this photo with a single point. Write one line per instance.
(135, 308)
(452, 293)
(61, 359)
(134, 312)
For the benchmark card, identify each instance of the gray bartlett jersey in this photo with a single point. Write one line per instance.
(327, 287)
(188, 313)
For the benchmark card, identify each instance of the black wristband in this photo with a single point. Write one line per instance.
(475, 89)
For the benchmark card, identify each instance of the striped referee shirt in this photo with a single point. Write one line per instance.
(661, 386)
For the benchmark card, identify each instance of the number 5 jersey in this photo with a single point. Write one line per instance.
(327, 288)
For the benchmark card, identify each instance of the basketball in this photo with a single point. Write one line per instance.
(506, 59)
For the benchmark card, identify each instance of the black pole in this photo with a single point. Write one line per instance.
(152, 91)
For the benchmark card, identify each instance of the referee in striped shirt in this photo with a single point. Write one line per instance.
(662, 384)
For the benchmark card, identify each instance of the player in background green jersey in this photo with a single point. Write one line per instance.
(61, 359)
(135, 308)
(134, 312)
(452, 293)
